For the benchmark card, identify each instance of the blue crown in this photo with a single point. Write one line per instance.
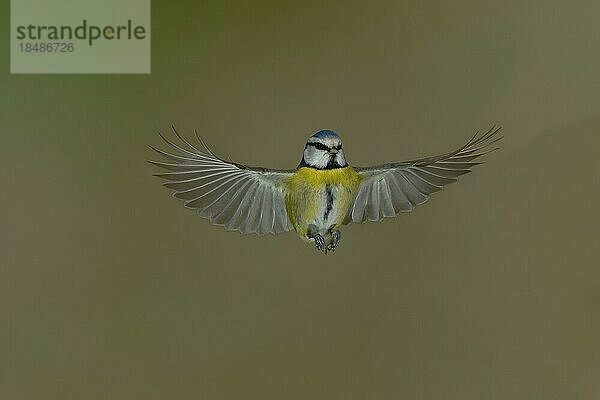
(326, 133)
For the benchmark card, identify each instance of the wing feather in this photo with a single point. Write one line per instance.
(236, 196)
(386, 206)
(266, 219)
(389, 189)
(227, 211)
(399, 198)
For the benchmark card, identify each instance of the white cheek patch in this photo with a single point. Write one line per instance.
(316, 158)
(317, 155)
(320, 158)
(341, 160)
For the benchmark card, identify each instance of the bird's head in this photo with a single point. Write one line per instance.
(323, 150)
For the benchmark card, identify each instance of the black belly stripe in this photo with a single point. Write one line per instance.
(329, 206)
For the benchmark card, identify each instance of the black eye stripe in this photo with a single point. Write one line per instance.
(317, 145)
(321, 146)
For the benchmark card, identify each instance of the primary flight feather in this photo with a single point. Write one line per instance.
(319, 196)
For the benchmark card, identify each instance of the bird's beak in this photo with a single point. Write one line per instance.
(333, 151)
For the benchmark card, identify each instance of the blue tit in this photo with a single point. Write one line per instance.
(316, 198)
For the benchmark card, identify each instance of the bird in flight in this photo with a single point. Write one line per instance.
(316, 198)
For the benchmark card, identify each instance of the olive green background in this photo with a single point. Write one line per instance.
(111, 289)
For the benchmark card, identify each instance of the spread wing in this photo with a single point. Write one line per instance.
(236, 196)
(389, 189)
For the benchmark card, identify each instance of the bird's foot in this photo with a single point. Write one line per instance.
(320, 243)
(336, 236)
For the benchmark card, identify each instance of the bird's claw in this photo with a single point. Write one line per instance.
(320, 243)
(335, 240)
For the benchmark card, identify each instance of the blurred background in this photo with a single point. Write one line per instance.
(111, 289)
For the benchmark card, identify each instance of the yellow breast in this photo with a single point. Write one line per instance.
(317, 178)
(304, 193)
